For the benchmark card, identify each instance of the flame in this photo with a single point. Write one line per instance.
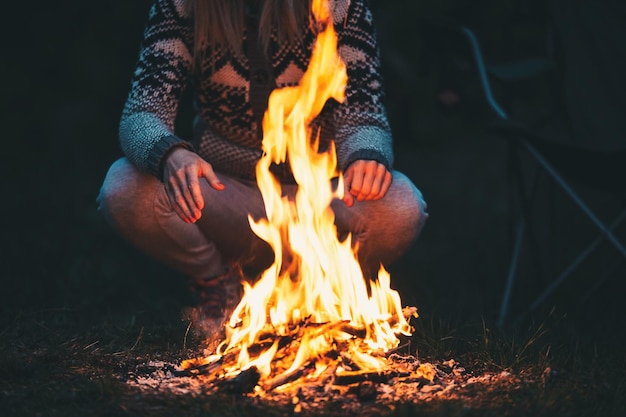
(315, 289)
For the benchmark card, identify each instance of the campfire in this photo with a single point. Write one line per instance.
(313, 335)
(312, 315)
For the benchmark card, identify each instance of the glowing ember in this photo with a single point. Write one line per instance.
(312, 309)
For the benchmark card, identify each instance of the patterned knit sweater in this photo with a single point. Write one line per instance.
(225, 129)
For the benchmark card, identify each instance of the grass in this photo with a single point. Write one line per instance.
(66, 362)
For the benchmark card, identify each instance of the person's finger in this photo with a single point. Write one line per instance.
(383, 183)
(356, 179)
(171, 195)
(348, 199)
(208, 173)
(193, 186)
(369, 176)
(376, 182)
(386, 184)
(180, 197)
(197, 202)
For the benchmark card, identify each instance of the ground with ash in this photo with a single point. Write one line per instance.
(410, 381)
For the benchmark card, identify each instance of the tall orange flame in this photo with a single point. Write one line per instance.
(315, 283)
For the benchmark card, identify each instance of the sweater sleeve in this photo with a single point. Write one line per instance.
(362, 129)
(146, 129)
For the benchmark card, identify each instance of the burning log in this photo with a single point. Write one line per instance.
(202, 369)
(405, 346)
(242, 383)
(204, 366)
(327, 377)
(348, 362)
(285, 378)
(352, 377)
(356, 331)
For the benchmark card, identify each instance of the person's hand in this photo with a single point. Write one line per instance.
(365, 180)
(181, 172)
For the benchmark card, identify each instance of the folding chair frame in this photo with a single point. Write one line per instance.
(523, 137)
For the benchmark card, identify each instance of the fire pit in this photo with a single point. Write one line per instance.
(312, 328)
(406, 382)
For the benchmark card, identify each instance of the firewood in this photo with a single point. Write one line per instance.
(285, 378)
(243, 383)
(348, 362)
(394, 351)
(351, 377)
(356, 331)
(328, 328)
(203, 369)
(209, 368)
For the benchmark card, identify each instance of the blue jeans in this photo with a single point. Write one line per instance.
(135, 203)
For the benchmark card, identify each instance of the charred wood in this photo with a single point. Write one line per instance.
(243, 383)
(350, 377)
(285, 378)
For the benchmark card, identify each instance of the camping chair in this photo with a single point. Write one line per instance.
(550, 156)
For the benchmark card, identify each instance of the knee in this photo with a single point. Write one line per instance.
(116, 193)
(112, 187)
(386, 228)
(400, 221)
(408, 206)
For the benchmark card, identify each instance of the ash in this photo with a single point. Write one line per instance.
(410, 381)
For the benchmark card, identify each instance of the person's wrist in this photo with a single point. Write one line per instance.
(173, 151)
(176, 149)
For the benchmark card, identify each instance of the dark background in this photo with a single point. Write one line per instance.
(66, 71)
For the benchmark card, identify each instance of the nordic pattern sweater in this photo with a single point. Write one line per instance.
(225, 129)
